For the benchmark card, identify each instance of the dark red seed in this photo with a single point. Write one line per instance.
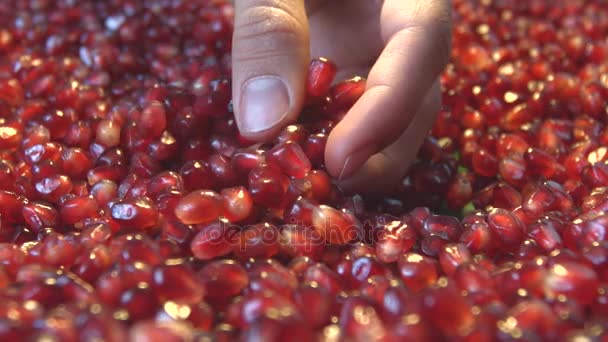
(200, 206)
(321, 73)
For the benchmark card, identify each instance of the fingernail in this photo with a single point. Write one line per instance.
(354, 161)
(264, 103)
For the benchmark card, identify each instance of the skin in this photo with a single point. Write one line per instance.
(400, 45)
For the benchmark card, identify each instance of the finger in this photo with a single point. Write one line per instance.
(384, 170)
(417, 35)
(270, 55)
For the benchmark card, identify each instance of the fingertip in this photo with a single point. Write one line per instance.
(341, 160)
(378, 176)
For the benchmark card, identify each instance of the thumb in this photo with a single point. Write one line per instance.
(270, 55)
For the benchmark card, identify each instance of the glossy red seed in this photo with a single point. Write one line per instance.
(11, 206)
(506, 229)
(446, 227)
(484, 163)
(108, 133)
(199, 207)
(153, 121)
(238, 203)
(197, 175)
(268, 186)
(573, 280)
(39, 215)
(298, 240)
(139, 302)
(138, 213)
(452, 256)
(260, 240)
(393, 240)
(77, 209)
(289, 158)
(321, 73)
(214, 239)
(175, 282)
(417, 272)
(222, 279)
(333, 225)
(344, 94)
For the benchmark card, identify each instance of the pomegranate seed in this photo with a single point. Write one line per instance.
(333, 225)
(289, 158)
(153, 121)
(214, 239)
(199, 207)
(417, 271)
(260, 240)
(320, 76)
(138, 213)
(268, 186)
(175, 282)
(238, 203)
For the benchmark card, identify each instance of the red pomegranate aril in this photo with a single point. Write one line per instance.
(484, 163)
(199, 206)
(138, 253)
(139, 302)
(268, 187)
(298, 240)
(333, 225)
(289, 158)
(214, 239)
(106, 172)
(542, 199)
(197, 175)
(93, 263)
(260, 240)
(77, 209)
(417, 271)
(176, 282)
(10, 136)
(573, 280)
(153, 121)
(545, 234)
(295, 133)
(11, 91)
(107, 133)
(452, 256)
(76, 163)
(358, 317)
(39, 215)
(540, 163)
(223, 279)
(11, 206)
(137, 213)
(346, 93)
(393, 240)
(446, 227)
(506, 229)
(460, 191)
(321, 73)
(238, 203)
(164, 182)
(324, 277)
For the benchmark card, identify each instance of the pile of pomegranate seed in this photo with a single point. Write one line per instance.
(131, 208)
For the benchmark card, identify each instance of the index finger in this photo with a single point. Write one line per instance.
(417, 35)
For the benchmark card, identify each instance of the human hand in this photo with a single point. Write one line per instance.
(401, 45)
